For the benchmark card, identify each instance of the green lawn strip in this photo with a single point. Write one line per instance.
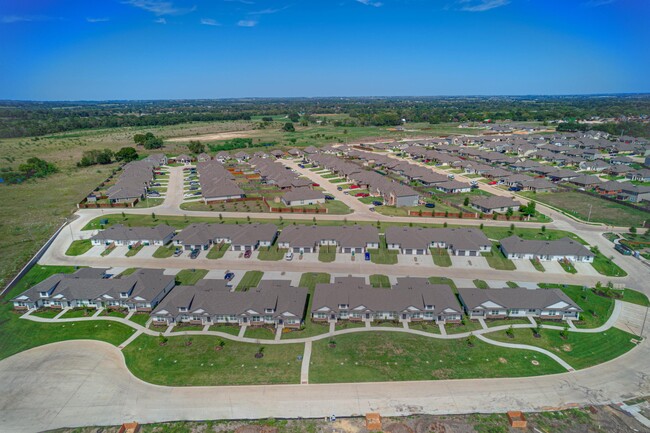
(126, 272)
(79, 247)
(78, 312)
(597, 309)
(107, 251)
(217, 251)
(272, 253)
(426, 326)
(183, 328)
(635, 297)
(382, 255)
(507, 322)
(538, 265)
(568, 266)
(497, 260)
(380, 281)
(607, 267)
(466, 326)
(336, 207)
(250, 279)
(329, 176)
(134, 250)
(260, 332)
(498, 233)
(113, 313)
(189, 277)
(481, 284)
(440, 257)
(345, 324)
(164, 252)
(327, 253)
(140, 318)
(200, 364)
(378, 357)
(444, 280)
(511, 284)
(46, 313)
(226, 329)
(579, 350)
(309, 328)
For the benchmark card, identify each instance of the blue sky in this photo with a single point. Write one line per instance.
(160, 49)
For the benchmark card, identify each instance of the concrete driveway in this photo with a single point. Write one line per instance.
(524, 265)
(586, 269)
(553, 267)
(469, 262)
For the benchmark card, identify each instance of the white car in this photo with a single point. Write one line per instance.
(288, 256)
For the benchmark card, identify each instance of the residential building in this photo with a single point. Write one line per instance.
(347, 239)
(515, 248)
(303, 196)
(122, 235)
(494, 203)
(418, 241)
(241, 237)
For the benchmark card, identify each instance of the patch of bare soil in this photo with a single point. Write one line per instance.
(503, 360)
(398, 428)
(215, 136)
(567, 347)
(256, 429)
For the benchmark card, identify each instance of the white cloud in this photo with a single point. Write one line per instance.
(247, 23)
(245, 2)
(596, 3)
(482, 5)
(9, 19)
(97, 20)
(160, 21)
(159, 7)
(370, 3)
(210, 22)
(268, 11)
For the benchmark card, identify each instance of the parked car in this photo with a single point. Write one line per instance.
(197, 193)
(354, 187)
(155, 184)
(194, 188)
(340, 188)
(229, 276)
(301, 166)
(377, 203)
(288, 256)
(514, 188)
(346, 192)
(178, 252)
(474, 186)
(195, 253)
(430, 205)
(329, 197)
(450, 176)
(372, 209)
(494, 182)
(623, 249)
(367, 256)
(315, 184)
(362, 194)
(247, 254)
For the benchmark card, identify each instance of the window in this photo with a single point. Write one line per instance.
(343, 306)
(42, 294)
(124, 295)
(269, 310)
(182, 309)
(428, 307)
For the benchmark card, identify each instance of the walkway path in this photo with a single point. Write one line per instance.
(304, 367)
(526, 347)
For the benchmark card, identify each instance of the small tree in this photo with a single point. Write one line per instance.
(444, 224)
(537, 329)
(466, 202)
(510, 332)
(481, 226)
(123, 216)
(288, 127)
(162, 339)
(564, 333)
(220, 217)
(633, 230)
(153, 216)
(543, 229)
(512, 227)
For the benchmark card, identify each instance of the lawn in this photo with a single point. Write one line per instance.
(481, 284)
(140, 318)
(607, 267)
(597, 309)
(568, 266)
(200, 364)
(183, 328)
(327, 253)
(380, 281)
(47, 313)
(636, 297)
(249, 280)
(79, 247)
(376, 357)
(498, 233)
(497, 260)
(444, 280)
(189, 277)
(346, 324)
(260, 333)
(603, 211)
(459, 328)
(578, 350)
(538, 265)
(226, 329)
(127, 272)
(309, 328)
(134, 250)
(217, 251)
(78, 312)
(272, 253)
(164, 252)
(440, 257)
(382, 255)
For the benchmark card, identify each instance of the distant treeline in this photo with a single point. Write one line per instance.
(236, 143)
(634, 129)
(20, 119)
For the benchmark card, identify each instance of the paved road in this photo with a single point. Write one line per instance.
(79, 383)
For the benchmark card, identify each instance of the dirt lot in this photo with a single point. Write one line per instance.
(595, 419)
(215, 136)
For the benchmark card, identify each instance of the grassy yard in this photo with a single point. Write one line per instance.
(597, 309)
(200, 364)
(134, 250)
(272, 253)
(140, 318)
(607, 267)
(217, 251)
(380, 281)
(578, 350)
(498, 233)
(636, 297)
(481, 284)
(47, 313)
(497, 260)
(568, 267)
(382, 255)
(226, 329)
(261, 333)
(164, 252)
(78, 312)
(374, 357)
(440, 257)
(603, 211)
(79, 247)
(444, 280)
(309, 328)
(459, 328)
(538, 265)
(327, 253)
(249, 280)
(189, 277)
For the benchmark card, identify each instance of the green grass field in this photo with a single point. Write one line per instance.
(79, 247)
(272, 253)
(440, 257)
(444, 280)
(380, 281)
(164, 252)
(200, 364)
(375, 357)
(249, 280)
(189, 277)
(309, 328)
(496, 260)
(217, 251)
(326, 253)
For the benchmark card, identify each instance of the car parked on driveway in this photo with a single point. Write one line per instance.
(229, 276)
(315, 184)
(288, 256)
(377, 203)
(329, 197)
(362, 194)
(247, 254)
(340, 188)
(367, 256)
(354, 186)
(430, 205)
(494, 182)
(514, 188)
(195, 253)
(178, 252)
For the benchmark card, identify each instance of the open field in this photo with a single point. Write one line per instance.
(603, 211)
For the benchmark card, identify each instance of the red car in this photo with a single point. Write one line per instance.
(494, 182)
(247, 254)
(315, 184)
(362, 194)
(354, 186)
